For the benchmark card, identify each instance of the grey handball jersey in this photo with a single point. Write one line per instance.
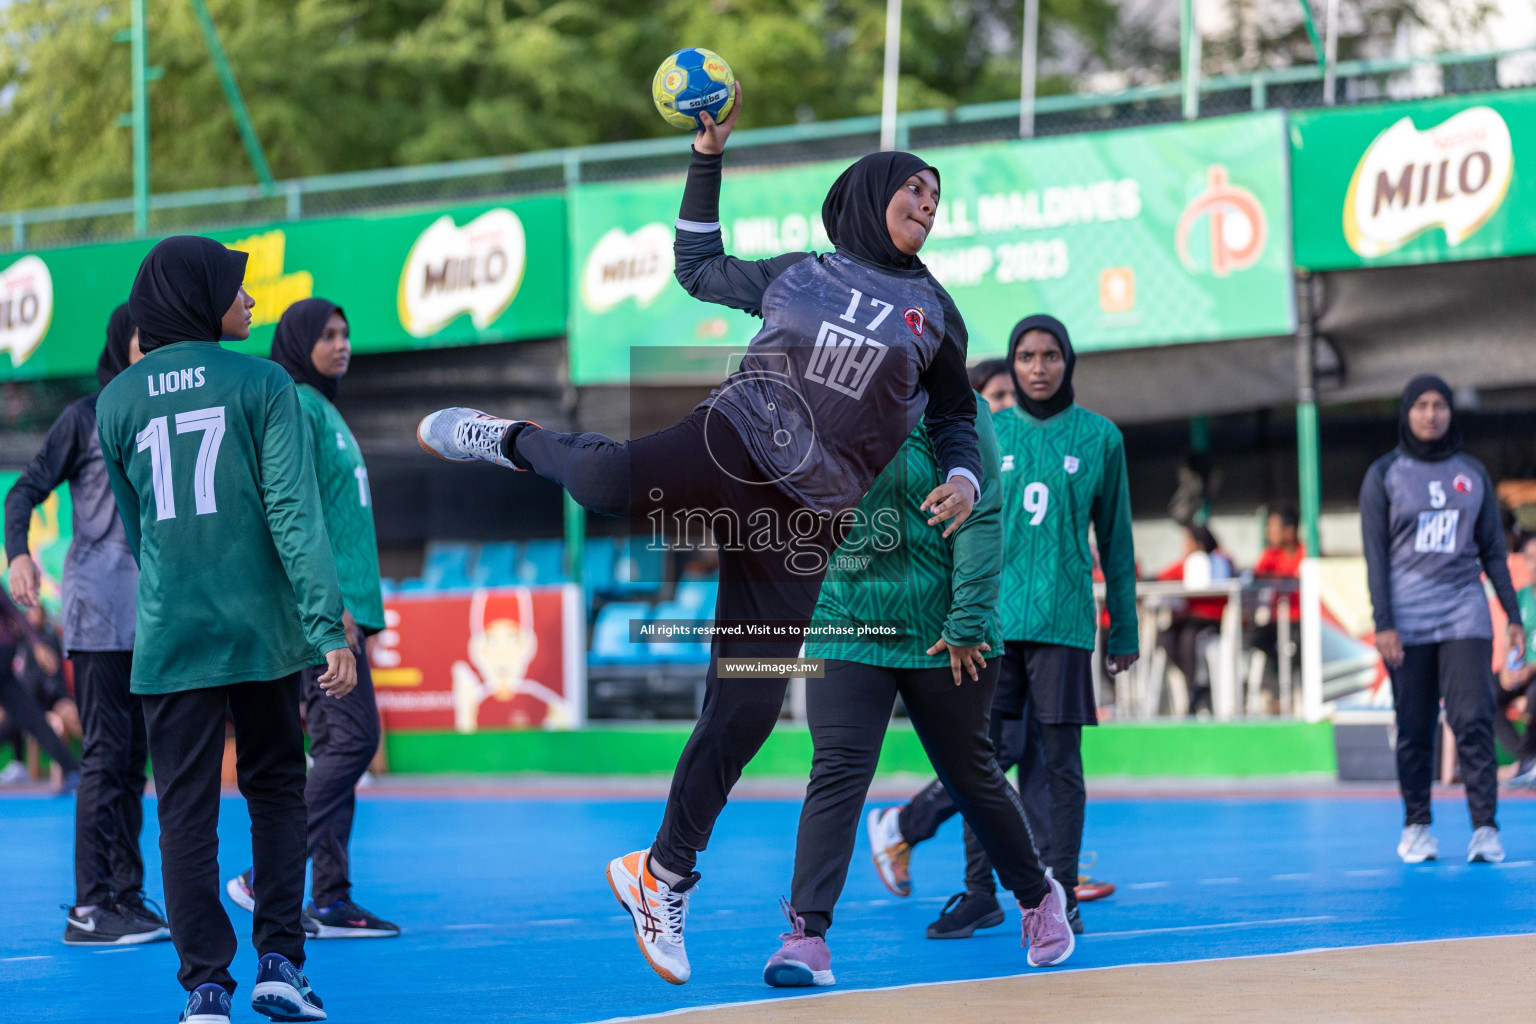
(849, 359)
(1431, 529)
(101, 580)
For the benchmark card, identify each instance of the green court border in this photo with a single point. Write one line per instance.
(1154, 749)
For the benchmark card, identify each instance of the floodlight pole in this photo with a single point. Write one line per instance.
(231, 92)
(1189, 58)
(892, 74)
(1029, 62)
(1330, 52)
(138, 56)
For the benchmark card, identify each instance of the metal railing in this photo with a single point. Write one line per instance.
(333, 194)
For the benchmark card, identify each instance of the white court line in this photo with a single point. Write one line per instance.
(119, 949)
(548, 922)
(475, 927)
(1220, 881)
(1041, 975)
(1146, 885)
(1296, 877)
(1214, 927)
(19, 959)
(1516, 864)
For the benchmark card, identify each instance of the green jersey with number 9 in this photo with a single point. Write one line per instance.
(348, 505)
(210, 462)
(1059, 475)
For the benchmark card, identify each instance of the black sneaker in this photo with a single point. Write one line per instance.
(346, 920)
(964, 913)
(1075, 920)
(134, 905)
(108, 926)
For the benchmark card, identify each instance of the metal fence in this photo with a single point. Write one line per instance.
(329, 195)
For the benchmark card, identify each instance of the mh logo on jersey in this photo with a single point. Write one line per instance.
(1462, 483)
(1437, 531)
(844, 361)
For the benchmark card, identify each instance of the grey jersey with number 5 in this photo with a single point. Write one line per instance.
(1431, 529)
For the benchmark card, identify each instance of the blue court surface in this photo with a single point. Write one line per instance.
(508, 917)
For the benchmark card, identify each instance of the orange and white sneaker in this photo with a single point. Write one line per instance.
(658, 911)
(892, 855)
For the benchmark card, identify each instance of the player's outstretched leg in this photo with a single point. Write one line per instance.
(659, 911)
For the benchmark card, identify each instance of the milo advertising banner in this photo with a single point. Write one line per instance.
(428, 278)
(1444, 179)
(1150, 236)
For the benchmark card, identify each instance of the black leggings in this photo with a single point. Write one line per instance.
(849, 710)
(694, 476)
(23, 711)
(1459, 671)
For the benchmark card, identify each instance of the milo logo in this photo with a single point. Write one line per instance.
(26, 307)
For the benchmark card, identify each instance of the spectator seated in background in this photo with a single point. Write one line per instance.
(1517, 681)
(39, 667)
(1280, 560)
(1202, 564)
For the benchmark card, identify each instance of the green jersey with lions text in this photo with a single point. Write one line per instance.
(348, 505)
(1060, 475)
(210, 462)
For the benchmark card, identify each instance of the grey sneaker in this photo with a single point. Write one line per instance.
(802, 961)
(1417, 845)
(1485, 846)
(465, 435)
(1525, 775)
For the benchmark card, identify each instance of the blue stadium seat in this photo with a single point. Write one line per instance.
(543, 563)
(697, 597)
(597, 559)
(610, 635)
(638, 569)
(679, 652)
(413, 585)
(447, 566)
(497, 565)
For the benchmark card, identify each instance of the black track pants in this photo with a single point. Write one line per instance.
(186, 747)
(1458, 671)
(109, 806)
(849, 711)
(343, 737)
(693, 476)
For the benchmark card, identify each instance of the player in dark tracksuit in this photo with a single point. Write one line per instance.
(857, 347)
(1431, 527)
(100, 578)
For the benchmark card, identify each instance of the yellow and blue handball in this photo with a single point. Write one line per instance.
(691, 81)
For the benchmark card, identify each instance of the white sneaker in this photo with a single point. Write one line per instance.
(1417, 845)
(465, 435)
(892, 855)
(658, 913)
(14, 774)
(1485, 846)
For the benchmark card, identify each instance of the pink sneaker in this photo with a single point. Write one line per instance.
(1046, 931)
(802, 961)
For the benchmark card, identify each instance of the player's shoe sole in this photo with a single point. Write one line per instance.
(240, 894)
(662, 972)
(280, 1001)
(793, 974)
(328, 932)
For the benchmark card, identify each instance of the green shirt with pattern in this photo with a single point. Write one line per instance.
(1526, 598)
(895, 568)
(1059, 475)
(348, 506)
(211, 466)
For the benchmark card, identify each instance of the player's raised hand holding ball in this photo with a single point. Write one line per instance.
(696, 91)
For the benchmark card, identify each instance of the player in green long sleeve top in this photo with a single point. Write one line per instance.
(313, 343)
(210, 464)
(941, 589)
(1063, 469)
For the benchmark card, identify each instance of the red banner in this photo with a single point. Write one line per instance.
(490, 659)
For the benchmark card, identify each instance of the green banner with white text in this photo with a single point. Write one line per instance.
(1149, 236)
(460, 275)
(1425, 182)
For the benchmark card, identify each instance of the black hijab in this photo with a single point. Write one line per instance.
(854, 210)
(1063, 396)
(1449, 443)
(185, 286)
(114, 357)
(293, 343)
